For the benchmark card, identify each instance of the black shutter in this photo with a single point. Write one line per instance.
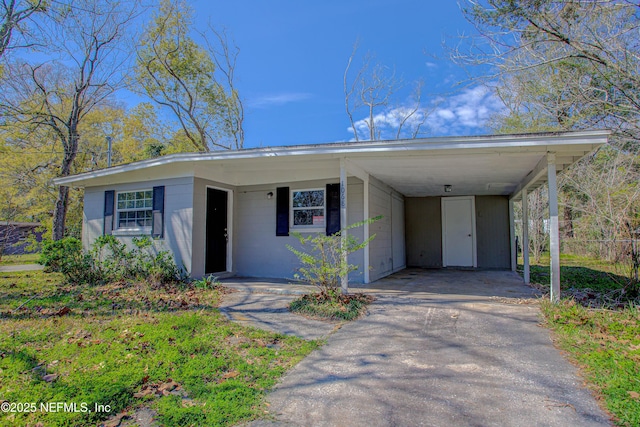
(157, 227)
(333, 208)
(109, 200)
(282, 211)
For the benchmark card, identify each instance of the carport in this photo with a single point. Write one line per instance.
(459, 195)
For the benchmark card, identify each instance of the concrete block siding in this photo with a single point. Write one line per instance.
(258, 252)
(389, 230)
(178, 217)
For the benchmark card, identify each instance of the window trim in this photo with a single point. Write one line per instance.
(117, 230)
(308, 228)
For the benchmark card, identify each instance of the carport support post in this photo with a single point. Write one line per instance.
(344, 279)
(525, 235)
(554, 233)
(512, 233)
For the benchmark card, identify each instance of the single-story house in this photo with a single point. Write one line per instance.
(14, 237)
(444, 202)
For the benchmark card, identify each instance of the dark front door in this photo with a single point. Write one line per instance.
(216, 235)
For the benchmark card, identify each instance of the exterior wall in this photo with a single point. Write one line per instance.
(381, 249)
(178, 219)
(14, 237)
(492, 229)
(258, 252)
(424, 232)
(200, 221)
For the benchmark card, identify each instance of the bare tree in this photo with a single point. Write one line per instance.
(371, 90)
(15, 13)
(573, 64)
(225, 54)
(608, 191)
(537, 203)
(180, 75)
(88, 38)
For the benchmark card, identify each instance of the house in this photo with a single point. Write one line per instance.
(445, 202)
(14, 237)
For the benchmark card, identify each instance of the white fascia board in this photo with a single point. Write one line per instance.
(595, 138)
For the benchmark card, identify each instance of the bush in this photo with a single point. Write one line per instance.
(66, 256)
(56, 253)
(109, 260)
(323, 264)
(333, 307)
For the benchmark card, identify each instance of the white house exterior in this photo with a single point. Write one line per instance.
(445, 202)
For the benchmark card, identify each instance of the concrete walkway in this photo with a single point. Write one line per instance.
(434, 356)
(20, 267)
(266, 307)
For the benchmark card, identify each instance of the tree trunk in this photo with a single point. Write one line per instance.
(567, 227)
(62, 202)
(60, 213)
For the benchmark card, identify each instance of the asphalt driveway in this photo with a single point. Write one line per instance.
(428, 358)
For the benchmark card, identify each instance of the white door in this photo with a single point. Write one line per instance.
(458, 232)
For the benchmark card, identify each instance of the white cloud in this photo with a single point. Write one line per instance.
(387, 122)
(445, 114)
(276, 100)
(462, 114)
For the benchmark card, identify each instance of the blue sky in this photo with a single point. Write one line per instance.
(293, 56)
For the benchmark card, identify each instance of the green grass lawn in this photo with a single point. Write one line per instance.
(577, 272)
(19, 259)
(604, 343)
(128, 347)
(606, 346)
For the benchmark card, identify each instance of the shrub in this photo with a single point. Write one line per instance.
(110, 260)
(334, 307)
(56, 253)
(323, 264)
(66, 256)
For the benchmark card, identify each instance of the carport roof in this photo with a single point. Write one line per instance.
(472, 165)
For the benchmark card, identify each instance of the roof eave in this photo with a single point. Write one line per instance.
(595, 138)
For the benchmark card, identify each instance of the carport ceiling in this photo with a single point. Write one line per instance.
(420, 175)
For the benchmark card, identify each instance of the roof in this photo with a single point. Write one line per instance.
(19, 224)
(489, 164)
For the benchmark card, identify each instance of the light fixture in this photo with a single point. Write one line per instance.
(448, 188)
(270, 195)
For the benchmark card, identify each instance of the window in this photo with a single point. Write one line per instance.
(135, 209)
(308, 208)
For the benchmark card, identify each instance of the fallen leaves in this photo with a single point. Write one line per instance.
(115, 420)
(160, 389)
(120, 297)
(50, 378)
(230, 374)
